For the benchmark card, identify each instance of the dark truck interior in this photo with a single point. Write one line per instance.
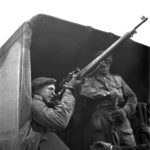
(58, 47)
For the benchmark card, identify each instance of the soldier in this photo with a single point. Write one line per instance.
(112, 102)
(48, 113)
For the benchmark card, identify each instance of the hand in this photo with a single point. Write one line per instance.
(101, 144)
(119, 114)
(144, 128)
(75, 83)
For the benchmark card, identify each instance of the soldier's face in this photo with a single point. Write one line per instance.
(104, 64)
(48, 92)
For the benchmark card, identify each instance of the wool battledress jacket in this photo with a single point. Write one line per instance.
(46, 119)
(107, 94)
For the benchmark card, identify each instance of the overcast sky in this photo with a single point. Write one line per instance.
(115, 16)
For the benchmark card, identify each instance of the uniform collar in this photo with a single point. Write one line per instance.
(99, 76)
(38, 97)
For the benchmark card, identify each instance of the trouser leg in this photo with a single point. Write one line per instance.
(126, 134)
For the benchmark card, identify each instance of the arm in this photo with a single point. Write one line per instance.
(55, 118)
(130, 99)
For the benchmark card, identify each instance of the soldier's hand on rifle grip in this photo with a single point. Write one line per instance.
(75, 83)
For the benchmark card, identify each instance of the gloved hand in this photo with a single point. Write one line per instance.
(75, 83)
(101, 144)
(119, 115)
(144, 128)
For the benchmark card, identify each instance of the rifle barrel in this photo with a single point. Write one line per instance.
(144, 19)
(107, 52)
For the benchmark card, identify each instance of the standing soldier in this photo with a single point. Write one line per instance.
(113, 102)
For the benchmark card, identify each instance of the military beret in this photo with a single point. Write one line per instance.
(42, 81)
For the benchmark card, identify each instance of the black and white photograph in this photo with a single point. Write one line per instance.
(75, 75)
